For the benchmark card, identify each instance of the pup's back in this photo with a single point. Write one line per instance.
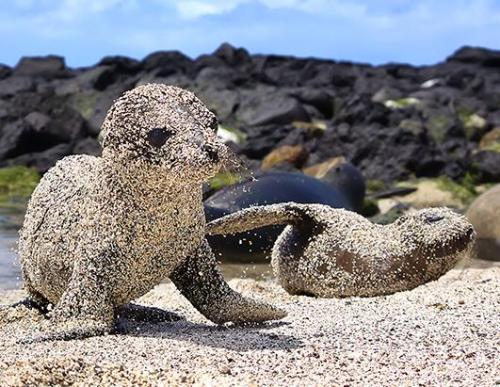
(47, 239)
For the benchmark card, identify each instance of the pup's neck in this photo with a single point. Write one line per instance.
(146, 182)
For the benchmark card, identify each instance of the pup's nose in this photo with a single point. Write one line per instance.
(211, 152)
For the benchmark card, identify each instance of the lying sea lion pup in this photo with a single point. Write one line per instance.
(328, 252)
(102, 231)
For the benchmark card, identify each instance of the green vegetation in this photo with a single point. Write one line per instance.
(370, 208)
(495, 147)
(85, 103)
(472, 122)
(464, 190)
(223, 179)
(16, 185)
(373, 186)
(438, 126)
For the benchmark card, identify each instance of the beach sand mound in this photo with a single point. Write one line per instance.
(442, 333)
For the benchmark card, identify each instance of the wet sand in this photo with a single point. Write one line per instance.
(442, 333)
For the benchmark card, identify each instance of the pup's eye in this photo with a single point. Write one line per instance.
(214, 124)
(433, 218)
(158, 137)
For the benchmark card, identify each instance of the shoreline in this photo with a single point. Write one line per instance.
(444, 332)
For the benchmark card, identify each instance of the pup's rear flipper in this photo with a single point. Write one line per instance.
(255, 217)
(27, 308)
(200, 281)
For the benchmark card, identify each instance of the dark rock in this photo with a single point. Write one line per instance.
(5, 71)
(38, 121)
(220, 78)
(42, 161)
(476, 55)
(166, 62)
(274, 108)
(222, 102)
(487, 166)
(262, 139)
(121, 64)
(494, 118)
(98, 78)
(392, 121)
(42, 66)
(38, 132)
(93, 105)
(231, 55)
(322, 100)
(16, 84)
(14, 139)
(88, 146)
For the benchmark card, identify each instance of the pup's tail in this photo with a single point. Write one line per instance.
(256, 217)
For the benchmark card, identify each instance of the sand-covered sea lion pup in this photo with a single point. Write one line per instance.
(328, 252)
(102, 231)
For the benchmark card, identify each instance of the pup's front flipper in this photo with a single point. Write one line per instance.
(84, 309)
(145, 314)
(200, 281)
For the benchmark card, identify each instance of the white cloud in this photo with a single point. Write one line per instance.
(193, 9)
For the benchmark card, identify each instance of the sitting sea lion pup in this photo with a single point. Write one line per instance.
(328, 252)
(102, 231)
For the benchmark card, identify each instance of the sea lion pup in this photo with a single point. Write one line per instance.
(102, 231)
(329, 252)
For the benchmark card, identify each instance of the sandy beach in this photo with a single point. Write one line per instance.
(442, 333)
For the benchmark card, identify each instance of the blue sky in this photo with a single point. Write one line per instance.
(373, 31)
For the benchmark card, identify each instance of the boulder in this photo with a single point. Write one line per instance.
(484, 214)
(322, 100)
(476, 55)
(93, 105)
(14, 139)
(41, 66)
(88, 146)
(222, 102)
(41, 161)
(166, 63)
(491, 140)
(295, 155)
(270, 108)
(16, 84)
(122, 64)
(38, 121)
(231, 55)
(487, 166)
(5, 71)
(430, 193)
(98, 78)
(386, 94)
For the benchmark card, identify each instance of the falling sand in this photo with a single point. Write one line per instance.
(442, 333)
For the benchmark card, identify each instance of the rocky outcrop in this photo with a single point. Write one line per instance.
(392, 121)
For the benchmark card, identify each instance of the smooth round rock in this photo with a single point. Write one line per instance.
(484, 214)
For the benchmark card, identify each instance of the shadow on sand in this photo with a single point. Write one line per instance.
(234, 337)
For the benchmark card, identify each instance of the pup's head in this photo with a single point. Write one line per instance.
(436, 232)
(165, 128)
